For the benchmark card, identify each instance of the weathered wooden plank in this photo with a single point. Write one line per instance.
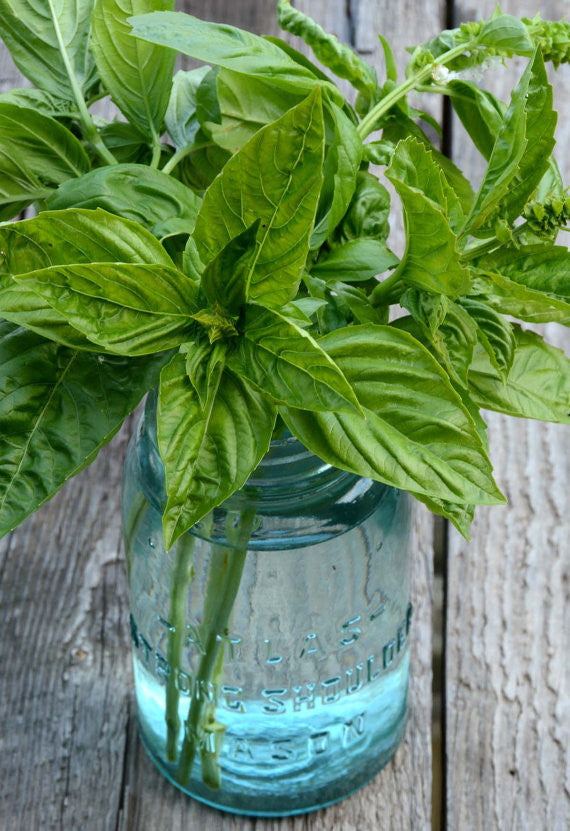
(73, 760)
(507, 609)
(64, 657)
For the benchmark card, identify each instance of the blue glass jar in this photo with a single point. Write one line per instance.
(271, 643)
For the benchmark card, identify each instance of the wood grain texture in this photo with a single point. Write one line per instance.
(72, 759)
(508, 626)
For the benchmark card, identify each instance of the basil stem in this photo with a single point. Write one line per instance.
(226, 568)
(368, 123)
(181, 577)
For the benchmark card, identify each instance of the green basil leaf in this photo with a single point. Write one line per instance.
(507, 34)
(137, 74)
(209, 452)
(494, 332)
(355, 261)
(45, 103)
(128, 308)
(58, 408)
(389, 60)
(401, 127)
(480, 112)
(287, 364)
(304, 61)
(225, 46)
(127, 144)
(427, 309)
(302, 310)
(245, 105)
(202, 360)
(431, 260)
(225, 280)
(414, 435)
(337, 57)
(76, 236)
(507, 156)
(368, 212)
(342, 162)
(460, 515)
(57, 238)
(203, 163)
(47, 155)
(132, 191)
(541, 121)
(530, 283)
(538, 384)
(455, 341)
(378, 152)
(48, 41)
(359, 307)
(275, 177)
(181, 119)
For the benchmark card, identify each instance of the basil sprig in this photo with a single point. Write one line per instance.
(242, 263)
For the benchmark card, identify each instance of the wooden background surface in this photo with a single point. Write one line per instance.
(487, 744)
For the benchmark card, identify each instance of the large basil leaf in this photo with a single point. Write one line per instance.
(431, 260)
(208, 452)
(76, 236)
(41, 101)
(537, 386)
(275, 177)
(286, 363)
(530, 283)
(415, 433)
(225, 46)
(181, 119)
(58, 407)
(48, 41)
(506, 33)
(334, 55)
(342, 162)
(540, 124)
(520, 156)
(355, 262)
(137, 74)
(106, 263)
(127, 308)
(55, 238)
(132, 191)
(46, 155)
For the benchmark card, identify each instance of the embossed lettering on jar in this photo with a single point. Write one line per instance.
(271, 644)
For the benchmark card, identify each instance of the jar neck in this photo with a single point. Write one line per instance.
(287, 472)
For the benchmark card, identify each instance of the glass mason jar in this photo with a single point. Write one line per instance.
(270, 643)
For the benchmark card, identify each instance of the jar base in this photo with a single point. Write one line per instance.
(267, 803)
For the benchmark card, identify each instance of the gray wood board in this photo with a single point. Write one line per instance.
(71, 757)
(508, 627)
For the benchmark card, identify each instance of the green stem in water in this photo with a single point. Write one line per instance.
(226, 568)
(181, 578)
(370, 120)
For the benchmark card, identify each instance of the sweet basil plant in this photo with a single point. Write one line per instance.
(227, 241)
